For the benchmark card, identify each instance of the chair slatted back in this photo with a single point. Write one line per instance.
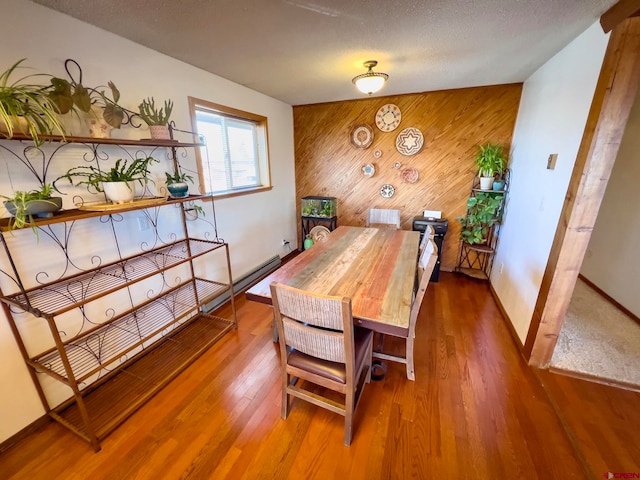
(318, 325)
(426, 264)
(385, 216)
(428, 234)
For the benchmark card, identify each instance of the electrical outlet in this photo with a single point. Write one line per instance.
(143, 223)
(285, 243)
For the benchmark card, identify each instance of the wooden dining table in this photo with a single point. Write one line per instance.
(375, 267)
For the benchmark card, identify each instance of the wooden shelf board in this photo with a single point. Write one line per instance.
(143, 142)
(473, 272)
(121, 395)
(479, 248)
(78, 214)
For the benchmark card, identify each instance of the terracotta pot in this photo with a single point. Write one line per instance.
(159, 132)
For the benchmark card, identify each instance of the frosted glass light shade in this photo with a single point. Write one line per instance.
(370, 82)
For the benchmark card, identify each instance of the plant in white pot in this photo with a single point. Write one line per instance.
(118, 183)
(156, 117)
(177, 184)
(490, 161)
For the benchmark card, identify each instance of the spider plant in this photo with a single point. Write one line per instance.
(27, 107)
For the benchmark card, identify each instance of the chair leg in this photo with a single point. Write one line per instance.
(409, 354)
(348, 418)
(275, 330)
(284, 412)
(369, 363)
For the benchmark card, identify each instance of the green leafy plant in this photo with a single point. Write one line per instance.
(483, 211)
(178, 177)
(19, 206)
(490, 160)
(155, 116)
(29, 103)
(70, 94)
(122, 171)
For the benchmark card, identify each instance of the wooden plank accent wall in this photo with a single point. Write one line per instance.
(452, 122)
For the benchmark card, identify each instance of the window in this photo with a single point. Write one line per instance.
(236, 159)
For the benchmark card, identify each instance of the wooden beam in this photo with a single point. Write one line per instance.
(613, 98)
(618, 13)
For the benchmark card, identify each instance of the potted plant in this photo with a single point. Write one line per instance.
(483, 211)
(95, 101)
(25, 206)
(117, 183)
(156, 117)
(177, 184)
(26, 108)
(490, 162)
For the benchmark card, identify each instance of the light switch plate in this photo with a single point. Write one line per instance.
(551, 162)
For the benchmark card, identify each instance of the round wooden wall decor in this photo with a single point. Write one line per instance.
(361, 136)
(409, 141)
(387, 190)
(388, 117)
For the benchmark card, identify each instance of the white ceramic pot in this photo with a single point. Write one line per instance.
(98, 126)
(119, 192)
(486, 183)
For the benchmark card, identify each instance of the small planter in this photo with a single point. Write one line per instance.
(98, 126)
(37, 208)
(119, 192)
(159, 132)
(178, 190)
(486, 183)
(498, 185)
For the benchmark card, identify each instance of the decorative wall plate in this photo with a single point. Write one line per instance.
(361, 136)
(397, 165)
(409, 141)
(388, 117)
(410, 175)
(377, 153)
(387, 190)
(369, 170)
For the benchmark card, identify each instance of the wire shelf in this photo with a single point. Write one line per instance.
(61, 296)
(100, 347)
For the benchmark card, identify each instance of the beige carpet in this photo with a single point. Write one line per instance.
(597, 339)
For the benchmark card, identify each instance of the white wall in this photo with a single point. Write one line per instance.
(612, 261)
(253, 225)
(551, 119)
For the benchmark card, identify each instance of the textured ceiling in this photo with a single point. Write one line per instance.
(304, 52)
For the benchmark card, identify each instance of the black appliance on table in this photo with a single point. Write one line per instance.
(440, 227)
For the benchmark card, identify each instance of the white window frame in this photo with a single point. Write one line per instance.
(261, 147)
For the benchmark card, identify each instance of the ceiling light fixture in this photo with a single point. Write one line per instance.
(371, 81)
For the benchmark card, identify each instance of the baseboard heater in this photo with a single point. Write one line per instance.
(246, 281)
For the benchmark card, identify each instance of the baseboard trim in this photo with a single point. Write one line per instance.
(609, 299)
(24, 433)
(508, 322)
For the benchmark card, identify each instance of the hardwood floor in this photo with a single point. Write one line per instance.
(476, 410)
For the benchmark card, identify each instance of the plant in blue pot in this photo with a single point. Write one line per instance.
(177, 184)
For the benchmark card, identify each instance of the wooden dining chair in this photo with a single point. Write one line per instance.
(426, 264)
(377, 217)
(319, 344)
(428, 234)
